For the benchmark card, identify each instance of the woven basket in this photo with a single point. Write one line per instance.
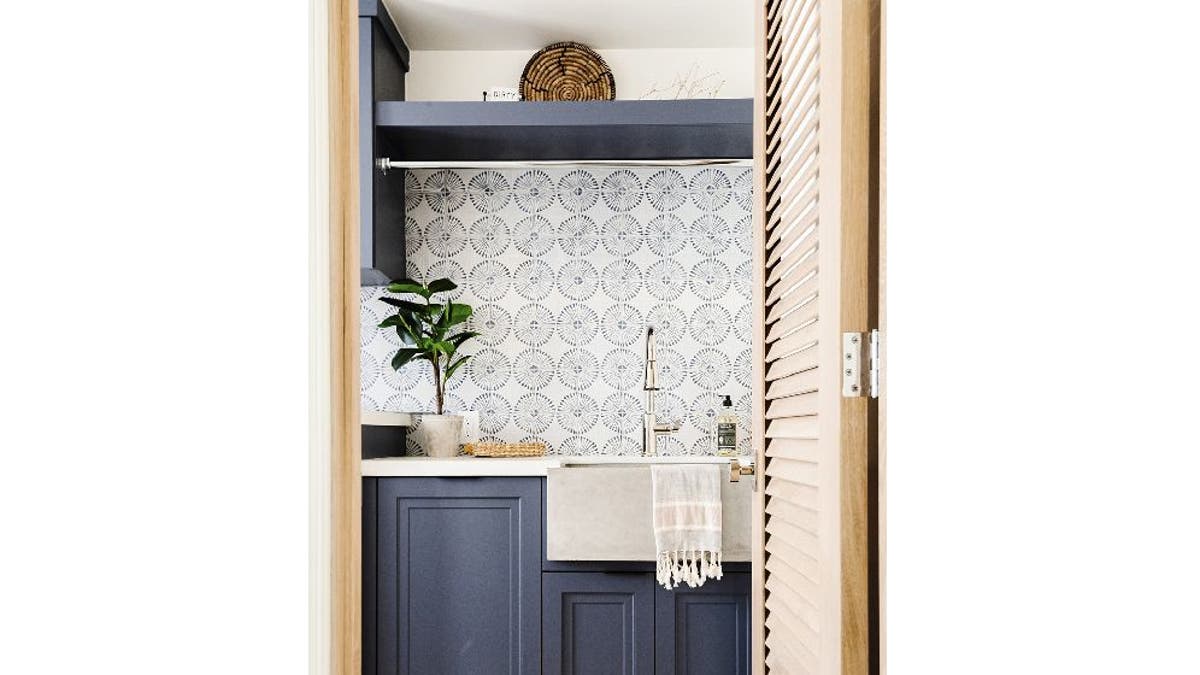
(505, 449)
(567, 71)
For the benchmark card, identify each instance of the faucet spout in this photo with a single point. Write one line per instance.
(651, 379)
(651, 428)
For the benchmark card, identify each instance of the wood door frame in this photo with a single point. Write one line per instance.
(880, 125)
(858, 154)
(335, 517)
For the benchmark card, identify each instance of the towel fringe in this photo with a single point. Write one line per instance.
(690, 567)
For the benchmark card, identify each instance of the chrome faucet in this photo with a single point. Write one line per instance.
(651, 428)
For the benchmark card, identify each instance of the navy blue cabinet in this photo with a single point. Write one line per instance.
(456, 575)
(597, 623)
(705, 630)
(454, 581)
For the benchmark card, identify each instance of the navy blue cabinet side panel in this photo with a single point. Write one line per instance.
(383, 62)
(705, 630)
(366, 143)
(391, 34)
(388, 253)
(388, 66)
(369, 562)
(458, 577)
(597, 623)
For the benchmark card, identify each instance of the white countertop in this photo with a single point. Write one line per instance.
(517, 466)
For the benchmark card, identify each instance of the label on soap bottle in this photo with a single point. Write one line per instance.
(727, 438)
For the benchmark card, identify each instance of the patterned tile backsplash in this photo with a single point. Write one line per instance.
(565, 269)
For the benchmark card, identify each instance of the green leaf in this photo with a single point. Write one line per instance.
(398, 319)
(455, 314)
(437, 332)
(415, 314)
(408, 305)
(402, 330)
(405, 331)
(444, 347)
(403, 356)
(454, 366)
(441, 286)
(409, 286)
(405, 323)
(462, 337)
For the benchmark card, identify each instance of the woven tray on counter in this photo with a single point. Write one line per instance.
(505, 449)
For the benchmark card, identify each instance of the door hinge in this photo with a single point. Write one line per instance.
(873, 363)
(852, 356)
(854, 351)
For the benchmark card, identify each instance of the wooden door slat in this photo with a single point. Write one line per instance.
(806, 310)
(793, 427)
(794, 384)
(801, 284)
(792, 341)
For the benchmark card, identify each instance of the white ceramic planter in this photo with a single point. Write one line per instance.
(442, 434)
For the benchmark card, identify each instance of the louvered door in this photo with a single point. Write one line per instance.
(812, 602)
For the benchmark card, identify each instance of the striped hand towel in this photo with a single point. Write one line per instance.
(687, 522)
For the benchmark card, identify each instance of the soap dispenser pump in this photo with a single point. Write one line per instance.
(727, 431)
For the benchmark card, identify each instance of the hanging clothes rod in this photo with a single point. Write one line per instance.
(384, 163)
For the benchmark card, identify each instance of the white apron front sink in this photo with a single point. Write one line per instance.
(597, 509)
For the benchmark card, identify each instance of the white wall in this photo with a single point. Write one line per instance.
(445, 75)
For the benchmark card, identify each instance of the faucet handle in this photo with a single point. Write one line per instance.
(669, 427)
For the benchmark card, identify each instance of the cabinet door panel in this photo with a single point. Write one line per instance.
(705, 630)
(597, 624)
(458, 575)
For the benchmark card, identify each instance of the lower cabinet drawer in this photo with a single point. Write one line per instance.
(596, 623)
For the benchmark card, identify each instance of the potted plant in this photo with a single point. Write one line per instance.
(426, 331)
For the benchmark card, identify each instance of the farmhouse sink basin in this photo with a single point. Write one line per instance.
(597, 509)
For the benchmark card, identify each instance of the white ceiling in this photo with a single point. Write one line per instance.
(603, 24)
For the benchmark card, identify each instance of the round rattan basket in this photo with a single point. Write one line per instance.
(567, 71)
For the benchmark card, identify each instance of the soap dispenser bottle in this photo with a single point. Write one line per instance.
(727, 431)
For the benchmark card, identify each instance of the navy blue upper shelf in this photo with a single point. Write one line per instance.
(590, 130)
